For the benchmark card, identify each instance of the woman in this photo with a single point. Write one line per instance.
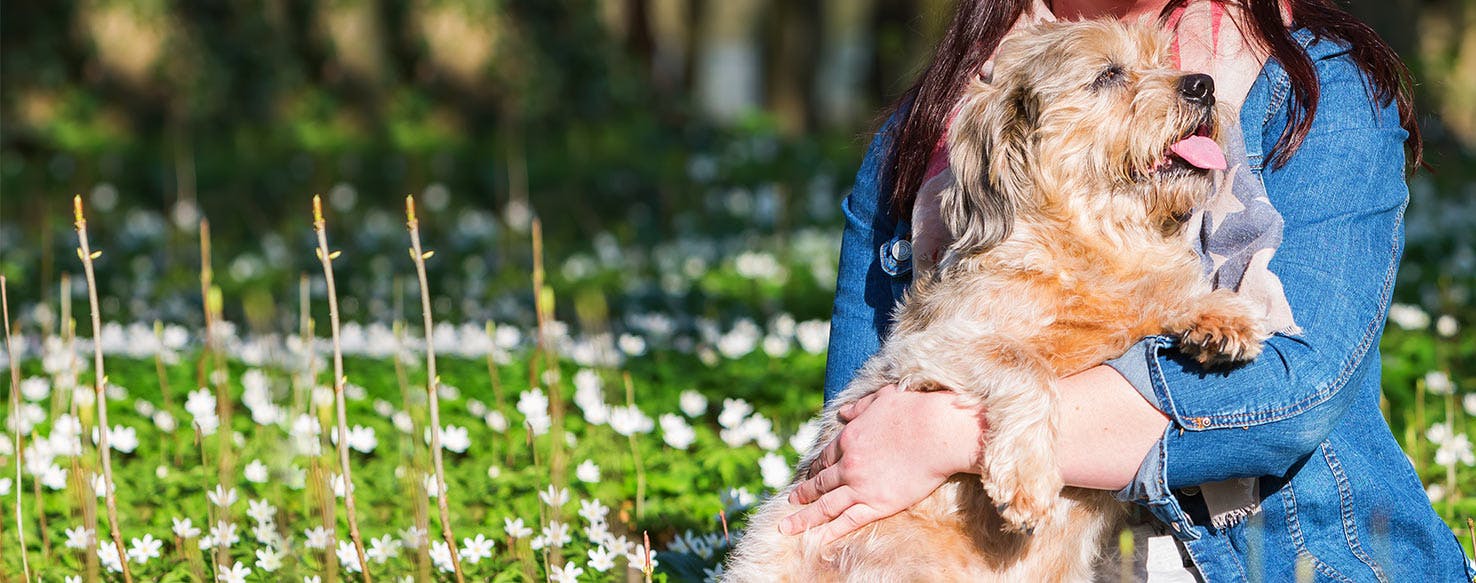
(1279, 467)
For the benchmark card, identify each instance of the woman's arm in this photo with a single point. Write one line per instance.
(863, 292)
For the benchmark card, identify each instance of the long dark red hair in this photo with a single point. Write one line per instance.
(979, 25)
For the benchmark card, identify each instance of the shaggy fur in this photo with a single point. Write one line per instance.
(1067, 212)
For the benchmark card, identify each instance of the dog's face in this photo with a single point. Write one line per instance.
(1083, 121)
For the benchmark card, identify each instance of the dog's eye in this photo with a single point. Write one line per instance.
(1112, 75)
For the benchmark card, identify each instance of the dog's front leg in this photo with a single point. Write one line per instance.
(1015, 387)
(1220, 327)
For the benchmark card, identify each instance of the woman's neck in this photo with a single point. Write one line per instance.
(1119, 9)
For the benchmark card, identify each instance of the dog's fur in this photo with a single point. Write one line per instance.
(1068, 248)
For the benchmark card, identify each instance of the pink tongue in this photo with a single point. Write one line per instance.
(1200, 151)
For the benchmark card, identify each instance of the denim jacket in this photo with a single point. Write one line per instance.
(1339, 500)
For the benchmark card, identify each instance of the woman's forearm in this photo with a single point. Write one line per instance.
(1105, 429)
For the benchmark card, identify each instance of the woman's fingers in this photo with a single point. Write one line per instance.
(852, 410)
(812, 489)
(827, 457)
(854, 517)
(820, 512)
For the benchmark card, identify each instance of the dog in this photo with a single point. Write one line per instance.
(1075, 170)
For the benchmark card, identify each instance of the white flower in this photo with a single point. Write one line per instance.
(737, 499)
(261, 511)
(200, 403)
(515, 529)
(813, 335)
(143, 549)
(165, 421)
(348, 556)
(35, 388)
(676, 432)
(601, 559)
(630, 421)
(556, 534)
(224, 534)
(474, 550)
(569, 573)
(383, 549)
(269, 559)
(494, 471)
(1409, 317)
(637, 558)
(121, 438)
(632, 345)
(256, 472)
(533, 404)
(1446, 326)
(555, 497)
(235, 574)
(184, 528)
(453, 438)
(107, 554)
(1435, 491)
(693, 403)
(360, 439)
(54, 477)
(413, 537)
(1439, 433)
(587, 472)
(734, 412)
(496, 421)
(1456, 449)
(5, 486)
(222, 497)
(440, 554)
(1469, 403)
(340, 486)
(774, 470)
(312, 579)
(1438, 383)
(402, 422)
(592, 510)
(317, 537)
(79, 538)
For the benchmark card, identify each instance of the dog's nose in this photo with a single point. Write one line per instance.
(1198, 88)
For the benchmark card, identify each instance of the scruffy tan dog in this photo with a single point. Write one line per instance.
(1075, 168)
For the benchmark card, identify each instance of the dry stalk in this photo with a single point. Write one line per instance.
(100, 380)
(14, 364)
(432, 383)
(635, 453)
(326, 257)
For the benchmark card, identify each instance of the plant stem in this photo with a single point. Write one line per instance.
(14, 364)
(99, 384)
(432, 384)
(326, 258)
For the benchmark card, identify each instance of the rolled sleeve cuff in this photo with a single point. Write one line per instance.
(1150, 487)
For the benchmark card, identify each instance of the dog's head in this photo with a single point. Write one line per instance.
(1083, 122)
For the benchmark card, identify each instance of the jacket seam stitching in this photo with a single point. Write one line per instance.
(1294, 528)
(1345, 507)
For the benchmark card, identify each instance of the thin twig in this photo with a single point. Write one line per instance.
(99, 383)
(326, 257)
(20, 530)
(432, 383)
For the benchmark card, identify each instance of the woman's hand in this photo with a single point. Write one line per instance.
(896, 448)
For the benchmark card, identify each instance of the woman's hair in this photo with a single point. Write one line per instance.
(979, 25)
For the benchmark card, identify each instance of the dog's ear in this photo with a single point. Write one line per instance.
(987, 154)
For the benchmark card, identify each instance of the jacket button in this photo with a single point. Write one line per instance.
(901, 250)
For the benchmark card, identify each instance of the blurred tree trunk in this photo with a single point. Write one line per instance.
(728, 72)
(791, 64)
(848, 44)
(671, 37)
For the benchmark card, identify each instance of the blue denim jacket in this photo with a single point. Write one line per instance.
(1339, 499)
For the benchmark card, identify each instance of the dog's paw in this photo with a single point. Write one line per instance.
(1024, 502)
(1226, 333)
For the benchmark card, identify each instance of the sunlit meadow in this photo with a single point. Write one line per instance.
(614, 424)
